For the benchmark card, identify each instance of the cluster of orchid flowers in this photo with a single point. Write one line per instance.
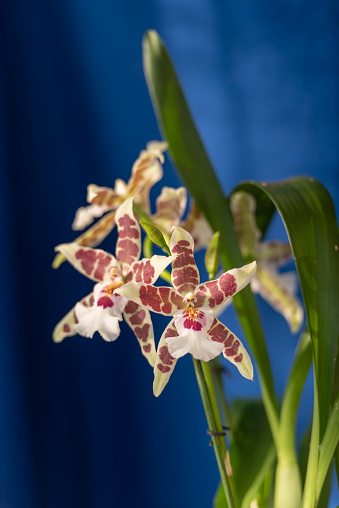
(125, 283)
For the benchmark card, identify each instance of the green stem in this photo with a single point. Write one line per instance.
(219, 448)
(225, 407)
(148, 247)
(312, 463)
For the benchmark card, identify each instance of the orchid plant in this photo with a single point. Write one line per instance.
(232, 229)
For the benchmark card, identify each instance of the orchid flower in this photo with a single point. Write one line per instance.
(194, 328)
(170, 208)
(146, 171)
(279, 290)
(103, 309)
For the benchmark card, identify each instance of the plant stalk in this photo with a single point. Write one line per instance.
(218, 441)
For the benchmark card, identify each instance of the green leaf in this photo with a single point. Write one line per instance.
(307, 211)
(252, 452)
(212, 257)
(155, 235)
(195, 169)
(288, 486)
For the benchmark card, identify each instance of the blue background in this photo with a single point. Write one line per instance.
(79, 426)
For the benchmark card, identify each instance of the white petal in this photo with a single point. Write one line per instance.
(96, 319)
(85, 215)
(196, 343)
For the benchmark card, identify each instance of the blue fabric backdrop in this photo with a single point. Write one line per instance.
(79, 426)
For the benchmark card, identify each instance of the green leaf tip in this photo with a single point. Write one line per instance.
(155, 235)
(212, 257)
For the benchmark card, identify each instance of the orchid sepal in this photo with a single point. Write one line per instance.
(164, 363)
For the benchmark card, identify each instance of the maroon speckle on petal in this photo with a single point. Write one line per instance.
(131, 307)
(147, 348)
(217, 295)
(127, 227)
(165, 356)
(228, 284)
(185, 254)
(89, 258)
(149, 297)
(192, 324)
(185, 276)
(164, 294)
(163, 368)
(238, 358)
(127, 251)
(103, 262)
(105, 301)
(229, 341)
(218, 333)
(143, 272)
(142, 333)
(66, 328)
(138, 317)
(232, 351)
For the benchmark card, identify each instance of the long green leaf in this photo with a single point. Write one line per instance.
(309, 216)
(288, 485)
(194, 167)
(252, 452)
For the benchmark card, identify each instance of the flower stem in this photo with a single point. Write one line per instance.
(209, 401)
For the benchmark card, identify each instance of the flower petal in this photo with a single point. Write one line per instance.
(65, 327)
(139, 319)
(192, 326)
(275, 252)
(146, 171)
(148, 270)
(185, 274)
(105, 197)
(243, 207)
(161, 299)
(272, 287)
(85, 215)
(92, 237)
(215, 292)
(128, 246)
(96, 319)
(164, 363)
(96, 264)
(233, 350)
(198, 227)
(170, 206)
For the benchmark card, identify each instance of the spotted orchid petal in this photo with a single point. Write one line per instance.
(192, 326)
(185, 274)
(65, 327)
(92, 237)
(103, 316)
(148, 270)
(233, 350)
(102, 200)
(214, 293)
(95, 264)
(198, 227)
(85, 215)
(139, 320)
(146, 171)
(105, 197)
(170, 206)
(164, 363)
(243, 208)
(275, 252)
(128, 246)
(276, 289)
(160, 299)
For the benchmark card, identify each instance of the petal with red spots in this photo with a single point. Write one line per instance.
(164, 363)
